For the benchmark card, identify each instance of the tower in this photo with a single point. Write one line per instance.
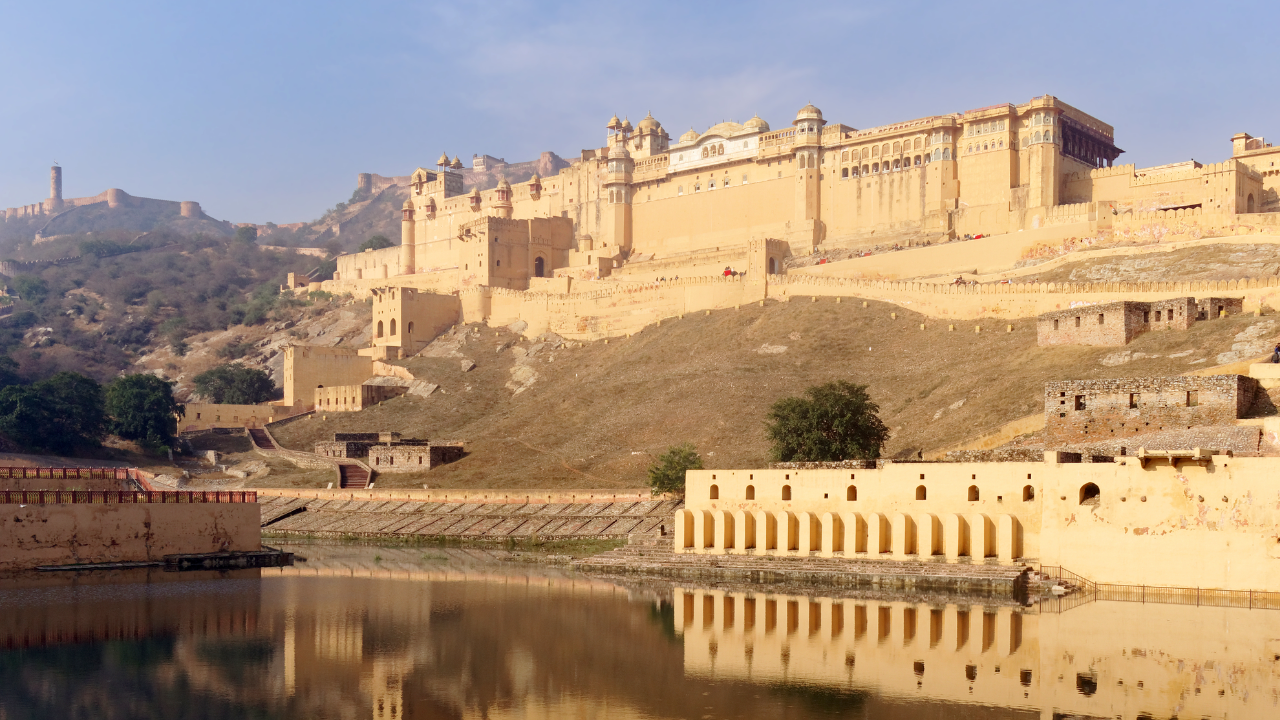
(364, 183)
(807, 146)
(407, 250)
(616, 216)
(54, 203)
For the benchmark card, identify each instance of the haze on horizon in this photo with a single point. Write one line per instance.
(266, 111)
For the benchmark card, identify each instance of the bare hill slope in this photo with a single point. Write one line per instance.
(545, 415)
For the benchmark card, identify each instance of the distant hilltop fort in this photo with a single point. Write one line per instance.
(57, 215)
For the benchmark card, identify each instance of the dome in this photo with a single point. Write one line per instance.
(690, 136)
(535, 179)
(475, 192)
(648, 124)
(444, 159)
(614, 123)
(619, 152)
(408, 205)
(503, 184)
(755, 123)
(724, 129)
(809, 112)
(456, 164)
(626, 125)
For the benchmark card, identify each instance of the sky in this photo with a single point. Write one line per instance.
(266, 111)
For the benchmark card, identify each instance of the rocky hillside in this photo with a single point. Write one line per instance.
(546, 412)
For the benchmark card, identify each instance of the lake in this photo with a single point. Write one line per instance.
(391, 633)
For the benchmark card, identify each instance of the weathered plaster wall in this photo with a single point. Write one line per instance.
(34, 535)
(1079, 412)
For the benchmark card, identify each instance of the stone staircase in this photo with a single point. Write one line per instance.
(653, 555)
(352, 476)
(261, 439)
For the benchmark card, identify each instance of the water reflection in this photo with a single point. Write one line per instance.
(390, 634)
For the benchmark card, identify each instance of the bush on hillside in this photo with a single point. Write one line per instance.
(235, 385)
(377, 242)
(667, 474)
(60, 414)
(835, 421)
(247, 234)
(142, 407)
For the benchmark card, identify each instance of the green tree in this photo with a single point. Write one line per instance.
(377, 242)
(836, 421)
(60, 414)
(31, 288)
(235, 385)
(247, 234)
(9, 372)
(667, 474)
(142, 407)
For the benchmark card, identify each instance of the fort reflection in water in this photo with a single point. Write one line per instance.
(389, 634)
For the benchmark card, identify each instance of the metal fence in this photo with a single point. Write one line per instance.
(1082, 590)
(100, 497)
(69, 473)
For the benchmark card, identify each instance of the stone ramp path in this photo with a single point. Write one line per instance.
(653, 556)
(478, 521)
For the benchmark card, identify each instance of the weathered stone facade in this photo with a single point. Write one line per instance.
(412, 457)
(1116, 324)
(1088, 412)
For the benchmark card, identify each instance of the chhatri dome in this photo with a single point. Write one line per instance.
(444, 159)
(614, 123)
(809, 112)
(689, 136)
(626, 126)
(755, 123)
(648, 124)
(619, 152)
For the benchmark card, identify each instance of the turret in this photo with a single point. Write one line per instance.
(502, 203)
(407, 261)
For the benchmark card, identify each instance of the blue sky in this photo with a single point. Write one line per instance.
(265, 111)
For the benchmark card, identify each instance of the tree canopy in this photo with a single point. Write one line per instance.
(59, 414)
(235, 385)
(142, 407)
(667, 474)
(377, 242)
(834, 421)
(247, 234)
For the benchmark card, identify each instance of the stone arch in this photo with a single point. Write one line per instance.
(851, 493)
(393, 326)
(751, 492)
(921, 492)
(409, 328)
(706, 152)
(786, 492)
(1248, 204)
(715, 492)
(1028, 493)
(973, 493)
(773, 266)
(539, 267)
(379, 329)
(1090, 494)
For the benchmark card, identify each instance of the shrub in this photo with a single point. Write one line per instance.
(667, 474)
(142, 407)
(60, 414)
(235, 385)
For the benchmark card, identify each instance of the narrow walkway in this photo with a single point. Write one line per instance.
(261, 439)
(653, 556)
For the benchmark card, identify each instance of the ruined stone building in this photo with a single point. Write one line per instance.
(1118, 323)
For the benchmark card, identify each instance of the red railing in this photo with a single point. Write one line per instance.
(100, 497)
(69, 473)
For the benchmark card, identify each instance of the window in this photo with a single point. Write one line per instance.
(973, 493)
(786, 492)
(393, 326)
(844, 172)
(715, 492)
(921, 492)
(1193, 398)
(1028, 493)
(1079, 402)
(379, 330)
(1090, 494)
(1077, 321)
(1101, 319)
(680, 190)
(1133, 401)
(751, 492)
(1146, 316)
(1055, 324)
(851, 493)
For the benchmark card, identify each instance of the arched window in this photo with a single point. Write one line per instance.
(1048, 136)
(539, 267)
(720, 149)
(844, 172)
(973, 493)
(379, 328)
(393, 326)
(946, 153)
(884, 149)
(921, 493)
(875, 151)
(711, 185)
(875, 167)
(866, 170)
(786, 492)
(773, 266)
(751, 492)
(917, 160)
(802, 162)
(697, 187)
(680, 190)
(1028, 493)
(851, 493)
(844, 156)
(919, 141)
(897, 148)
(409, 329)
(706, 152)
(1036, 138)
(897, 164)
(715, 492)
(1090, 494)
(1248, 204)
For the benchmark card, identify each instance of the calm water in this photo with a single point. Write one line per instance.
(390, 634)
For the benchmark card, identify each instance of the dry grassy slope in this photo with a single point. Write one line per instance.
(1206, 262)
(599, 413)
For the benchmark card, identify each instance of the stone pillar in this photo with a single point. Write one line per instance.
(786, 536)
(55, 186)
(703, 530)
(684, 531)
(980, 536)
(407, 239)
(955, 536)
(926, 537)
(806, 541)
(855, 533)
(1008, 533)
(832, 534)
(764, 526)
(724, 530)
(744, 531)
(876, 530)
